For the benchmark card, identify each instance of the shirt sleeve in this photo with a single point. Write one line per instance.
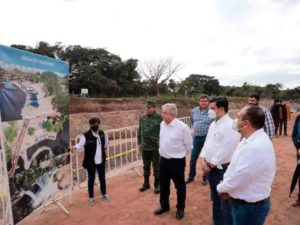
(139, 132)
(269, 124)
(192, 121)
(230, 142)
(187, 138)
(296, 133)
(204, 149)
(81, 143)
(247, 167)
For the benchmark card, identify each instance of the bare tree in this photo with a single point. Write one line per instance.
(159, 71)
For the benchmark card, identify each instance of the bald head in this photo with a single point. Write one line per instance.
(255, 115)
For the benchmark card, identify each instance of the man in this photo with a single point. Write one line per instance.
(269, 127)
(200, 121)
(94, 144)
(148, 141)
(215, 156)
(174, 143)
(296, 141)
(250, 174)
(277, 116)
(286, 110)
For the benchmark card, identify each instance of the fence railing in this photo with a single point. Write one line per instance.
(122, 153)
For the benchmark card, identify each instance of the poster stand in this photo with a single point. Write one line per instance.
(4, 191)
(24, 73)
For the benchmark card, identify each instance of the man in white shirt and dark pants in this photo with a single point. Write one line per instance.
(221, 141)
(174, 143)
(250, 174)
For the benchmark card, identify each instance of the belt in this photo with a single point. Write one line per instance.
(243, 202)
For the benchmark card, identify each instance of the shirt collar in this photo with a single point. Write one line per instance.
(172, 123)
(254, 134)
(223, 118)
(95, 134)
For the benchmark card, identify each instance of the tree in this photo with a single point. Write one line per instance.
(172, 85)
(196, 84)
(272, 90)
(158, 72)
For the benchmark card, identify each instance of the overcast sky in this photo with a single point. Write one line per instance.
(254, 41)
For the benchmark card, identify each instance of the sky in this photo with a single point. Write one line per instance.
(236, 41)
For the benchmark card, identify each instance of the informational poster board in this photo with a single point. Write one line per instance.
(34, 106)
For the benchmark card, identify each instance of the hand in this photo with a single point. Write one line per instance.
(72, 149)
(205, 167)
(224, 196)
(140, 148)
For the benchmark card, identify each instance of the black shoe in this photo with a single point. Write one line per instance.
(179, 214)
(161, 210)
(189, 180)
(156, 190)
(144, 188)
(204, 182)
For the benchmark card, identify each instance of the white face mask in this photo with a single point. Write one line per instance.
(234, 125)
(212, 114)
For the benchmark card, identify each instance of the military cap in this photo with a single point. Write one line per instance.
(150, 103)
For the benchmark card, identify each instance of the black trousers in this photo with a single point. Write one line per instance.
(172, 169)
(91, 179)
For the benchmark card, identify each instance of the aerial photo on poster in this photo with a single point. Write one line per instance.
(38, 161)
(31, 85)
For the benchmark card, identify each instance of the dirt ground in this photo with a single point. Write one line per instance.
(129, 206)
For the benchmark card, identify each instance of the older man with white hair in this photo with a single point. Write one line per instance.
(174, 143)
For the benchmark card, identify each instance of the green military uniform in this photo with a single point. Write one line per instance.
(148, 139)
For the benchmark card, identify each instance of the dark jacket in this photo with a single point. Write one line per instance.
(90, 148)
(296, 133)
(275, 111)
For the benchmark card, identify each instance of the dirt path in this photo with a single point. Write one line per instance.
(130, 207)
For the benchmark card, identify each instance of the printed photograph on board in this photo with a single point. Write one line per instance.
(31, 85)
(38, 161)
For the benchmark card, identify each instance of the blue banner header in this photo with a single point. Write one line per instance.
(19, 57)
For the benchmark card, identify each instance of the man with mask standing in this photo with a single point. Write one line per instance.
(269, 126)
(200, 121)
(250, 174)
(148, 141)
(216, 154)
(94, 144)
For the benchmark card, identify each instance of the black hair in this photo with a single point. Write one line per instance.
(220, 102)
(256, 116)
(254, 95)
(94, 120)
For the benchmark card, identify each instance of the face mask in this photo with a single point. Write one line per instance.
(212, 114)
(95, 128)
(234, 125)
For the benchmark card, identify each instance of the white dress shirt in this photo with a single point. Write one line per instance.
(98, 155)
(252, 169)
(175, 139)
(221, 141)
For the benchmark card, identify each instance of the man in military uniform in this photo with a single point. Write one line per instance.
(148, 141)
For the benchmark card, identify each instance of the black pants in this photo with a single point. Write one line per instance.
(284, 127)
(91, 179)
(172, 169)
